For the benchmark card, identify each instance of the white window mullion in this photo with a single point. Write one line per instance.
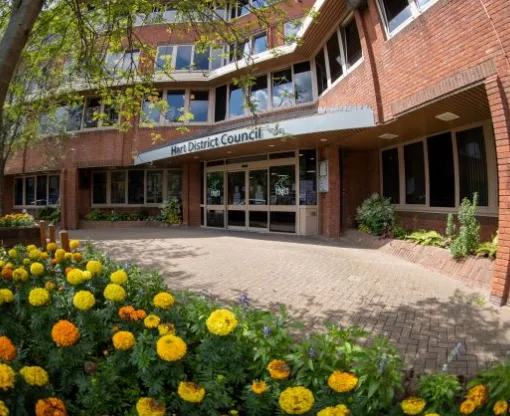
(269, 79)
(326, 62)
(315, 87)
(342, 52)
(162, 117)
(414, 8)
(293, 85)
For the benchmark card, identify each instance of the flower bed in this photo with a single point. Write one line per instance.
(83, 335)
(18, 229)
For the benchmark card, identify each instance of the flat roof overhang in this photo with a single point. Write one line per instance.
(326, 125)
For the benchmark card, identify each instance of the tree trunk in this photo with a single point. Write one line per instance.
(2, 189)
(23, 16)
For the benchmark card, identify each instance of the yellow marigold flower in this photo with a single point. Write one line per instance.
(150, 407)
(6, 377)
(8, 351)
(6, 296)
(467, 407)
(68, 256)
(119, 277)
(94, 267)
(3, 409)
(20, 274)
(114, 292)
(152, 321)
(35, 376)
(77, 257)
(478, 395)
(413, 405)
(190, 392)
(50, 407)
(500, 407)
(2, 263)
(26, 262)
(49, 285)
(123, 340)
(74, 244)
(65, 334)
(258, 387)
(34, 254)
(84, 300)
(60, 254)
(75, 277)
(44, 256)
(342, 382)
(338, 410)
(165, 329)
(171, 348)
(37, 269)
(38, 297)
(163, 300)
(432, 414)
(221, 322)
(296, 400)
(278, 369)
(31, 247)
(51, 246)
(12, 253)
(87, 275)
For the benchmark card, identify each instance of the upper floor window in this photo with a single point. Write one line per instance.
(240, 8)
(397, 13)
(97, 114)
(122, 61)
(242, 50)
(188, 58)
(290, 30)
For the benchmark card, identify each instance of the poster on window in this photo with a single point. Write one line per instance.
(323, 176)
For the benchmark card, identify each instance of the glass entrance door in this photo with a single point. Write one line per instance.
(236, 202)
(258, 199)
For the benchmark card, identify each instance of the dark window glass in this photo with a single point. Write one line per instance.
(281, 155)
(243, 159)
(202, 183)
(391, 182)
(174, 184)
(236, 103)
(154, 187)
(54, 190)
(111, 115)
(199, 105)
(135, 186)
(283, 222)
(217, 57)
(415, 173)
(18, 191)
(42, 190)
(322, 75)
(201, 60)
(215, 191)
(236, 188)
(93, 106)
(164, 58)
(239, 51)
(259, 44)
(99, 188)
(258, 219)
(175, 100)
(303, 83)
(239, 8)
(202, 221)
(150, 110)
(216, 218)
(236, 218)
(118, 187)
(352, 44)
(220, 106)
(397, 12)
(183, 57)
(30, 191)
(74, 118)
(259, 94)
(283, 93)
(258, 187)
(334, 59)
(473, 165)
(308, 177)
(216, 163)
(283, 185)
(441, 176)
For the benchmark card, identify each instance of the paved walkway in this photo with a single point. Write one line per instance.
(425, 313)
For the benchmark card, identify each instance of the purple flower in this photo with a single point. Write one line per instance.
(267, 331)
(311, 352)
(245, 300)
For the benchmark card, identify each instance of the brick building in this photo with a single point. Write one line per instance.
(408, 98)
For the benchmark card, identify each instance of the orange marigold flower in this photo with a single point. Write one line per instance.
(478, 395)
(127, 313)
(141, 314)
(115, 328)
(7, 273)
(123, 340)
(65, 334)
(50, 407)
(8, 351)
(278, 369)
(68, 269)
(77, 257)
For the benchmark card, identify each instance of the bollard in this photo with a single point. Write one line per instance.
(64, 240)
(42, 228)
(51, 227)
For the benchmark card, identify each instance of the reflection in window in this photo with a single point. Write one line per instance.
(258, 219)
(283, 222)
(42, 190)
(220, 105)
(303, 83)
(174, 184)
(183, 57)
(54, 190)
(441, 177)
(283, 185)
(334, 57)
(130, 60)
(135, 186)
(259, 94)
(154, 187)
(175, 101)
(150, 110)
(75, 114)
(282, 89)
(259, 44)
(111, 116)
(201, 59)
(164, 58)
(307, 177)
(214, 192)
(473, 165)
(18, 191)
(99, 187)
(236, 102)
(258, 187)
(391, 181)
(217, 57)
(30, 191)
(414, 173)
(397, 12)
(93, 106)
(236, 188)
(322, 75)
(352, 43)
(199, 106)
(118, 187)
(290, 29)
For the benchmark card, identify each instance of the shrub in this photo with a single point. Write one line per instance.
(171, 211)
(439, 390)
(426, 238)
(488, 249)
(377, 214)
(399, 232)
(143, 213)
(51, 214)
(450, 226)
(96, 215)
(466, 242)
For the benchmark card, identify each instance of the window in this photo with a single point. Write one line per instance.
(154, 187)
(352, 43)
(41, 190)
(110, 115)
(259, 44)
(30, 190)
(414, 173)
(188, 57)
(334, 57)
(308, 177)
(259, 94)
(239, 51)
(391, 179)
(220, 106)
(199, 106)
(174, 184)
(236, 101)
(53, 189)
(18, 191)
(441, 175)
(164, 58)
(99, 180)
(397, 13)
(122, 61)
(283, 91)
(136, 187)
(176, 101)
(473, 165)
(283, 185)
(215, 192)
(283, 222)
(75, 114)
(217, 57)
(183, 57)
(321, 72)
(130, 60)
(150, 110)
(118, 187)
(239, 8)
(290, 30)
(201, 59)
(303, 92)
(92, 109)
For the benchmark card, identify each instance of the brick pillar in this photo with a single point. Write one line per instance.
(8, 194)
(498, 101)
(185, 194)
(194, 190)
(69, 197)
(330, 201)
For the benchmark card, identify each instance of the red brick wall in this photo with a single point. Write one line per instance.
(329, 202)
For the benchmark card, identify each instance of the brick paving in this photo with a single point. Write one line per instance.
(426, 314)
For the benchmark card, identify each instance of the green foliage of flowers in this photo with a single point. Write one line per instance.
(171, 211)
(16, 220)
(466, 242)
(426, 238)
(439, 390)
(488, 249)
(377, 214)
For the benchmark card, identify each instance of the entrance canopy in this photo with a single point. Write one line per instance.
(322, 123)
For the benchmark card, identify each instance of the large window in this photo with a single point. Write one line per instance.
(120, 62)
(220, 106)
(397, 13)
(118, 187)
(283, 185)
(154, 187)
(136, 187)
(259, 43)
(199, 106)
(303, 92)
(321, 72)
(235, 101)
(259, 92)
(308, 177)
(290, 30)
(178, 102)
(188, 58)
(40, 190)
(99, 187)
(439, 171)
(183, 57)
(352, 44)
(283, 90)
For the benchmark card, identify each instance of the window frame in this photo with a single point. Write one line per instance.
(251, 42)
(492, 182)
(100, 122)
(35, 175)
(191, 68)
